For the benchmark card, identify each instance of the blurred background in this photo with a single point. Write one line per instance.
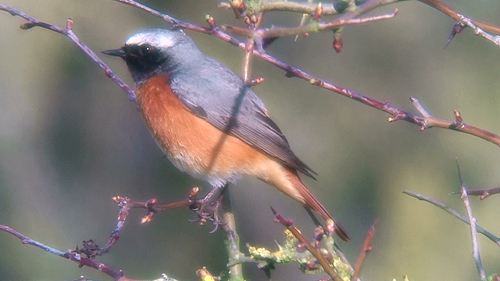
(70, 140)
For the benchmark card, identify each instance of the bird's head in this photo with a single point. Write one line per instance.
(155, 52)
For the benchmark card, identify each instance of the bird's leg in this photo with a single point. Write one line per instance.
(208, 210)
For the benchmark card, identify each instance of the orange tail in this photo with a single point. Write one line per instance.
(311, 202)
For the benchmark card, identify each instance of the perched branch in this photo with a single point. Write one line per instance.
(472, 222)
(454, 212)
(151, 205)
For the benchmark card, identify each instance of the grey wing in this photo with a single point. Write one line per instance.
(228, 104)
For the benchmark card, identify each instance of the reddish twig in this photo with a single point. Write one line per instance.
(311, 27)
(364, 251)
(68, 32)
(458, 124)
(322, 261)
(484, 193)
(117, 275)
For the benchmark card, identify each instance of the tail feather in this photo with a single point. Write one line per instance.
(313, 203)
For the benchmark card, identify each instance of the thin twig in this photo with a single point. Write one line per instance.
(364, 251)
(68, 32)
(454, 14)
(454, 212)
(249, 47)
(311, 27)
(484, 193)
(473, 229)
(301, 7)
(478, 31)
(458, 124)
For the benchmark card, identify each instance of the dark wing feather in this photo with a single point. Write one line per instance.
(228, 104)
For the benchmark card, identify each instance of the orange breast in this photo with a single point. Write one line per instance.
(193, 144)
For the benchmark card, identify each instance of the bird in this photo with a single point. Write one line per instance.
(207, 120)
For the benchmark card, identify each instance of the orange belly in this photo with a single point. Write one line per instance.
(191, 143)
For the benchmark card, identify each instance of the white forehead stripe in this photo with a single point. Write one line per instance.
(156, 39)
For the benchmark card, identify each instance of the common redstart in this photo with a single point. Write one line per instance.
(207, 121)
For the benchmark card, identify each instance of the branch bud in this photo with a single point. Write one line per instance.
(318, 12)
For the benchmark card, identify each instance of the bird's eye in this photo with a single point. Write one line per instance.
(144, 49)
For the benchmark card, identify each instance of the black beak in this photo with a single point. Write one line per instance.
(116, 53)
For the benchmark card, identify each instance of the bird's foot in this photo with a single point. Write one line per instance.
(206, 209)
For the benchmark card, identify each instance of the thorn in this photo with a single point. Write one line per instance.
(457, 28)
